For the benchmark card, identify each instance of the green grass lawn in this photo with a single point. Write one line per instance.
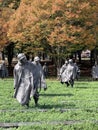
(60, 107)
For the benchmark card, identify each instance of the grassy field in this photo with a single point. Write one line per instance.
(60, 107)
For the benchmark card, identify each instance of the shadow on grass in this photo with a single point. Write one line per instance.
(56, 94)
(86, 87)
(82, 87)
(83, 83)
(56, 106)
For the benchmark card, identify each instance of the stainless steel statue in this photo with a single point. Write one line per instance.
(28, 78)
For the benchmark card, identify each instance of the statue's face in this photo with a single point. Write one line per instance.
(37, 62)
(23, 60)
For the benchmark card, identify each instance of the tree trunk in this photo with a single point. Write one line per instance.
(10, 53)
(3, 57)
(92, 57)
(79, 56)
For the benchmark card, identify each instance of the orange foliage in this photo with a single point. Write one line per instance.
(61, 22)
(5, 15)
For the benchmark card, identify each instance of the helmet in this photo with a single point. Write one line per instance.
(70, 61)
(36, 58)
(21, 56)
(66, 62)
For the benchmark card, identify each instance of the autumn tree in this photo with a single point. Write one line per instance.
(14, 4)
(94, 4)
(63, 26)
(7, 8)
(5, 15)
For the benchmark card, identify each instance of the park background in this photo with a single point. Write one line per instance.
(54, 30)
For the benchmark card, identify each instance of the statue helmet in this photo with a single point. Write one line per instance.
(70, 61)
(36, 58)
(21, 56)
(66, 62)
